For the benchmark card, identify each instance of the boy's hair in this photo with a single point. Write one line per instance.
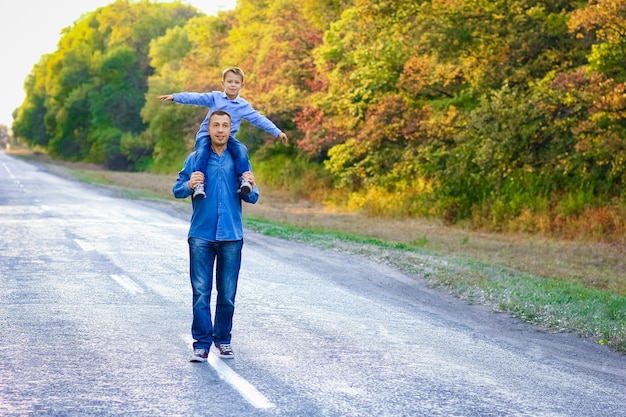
(234, 70)
(220, 113)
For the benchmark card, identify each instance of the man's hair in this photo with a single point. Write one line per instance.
(220, 113)
(234, 70)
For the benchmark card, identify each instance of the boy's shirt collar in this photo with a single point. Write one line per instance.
(224, 95)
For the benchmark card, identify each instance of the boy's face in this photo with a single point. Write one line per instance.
(232, 83)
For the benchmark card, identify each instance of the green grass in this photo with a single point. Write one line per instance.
(554, 303)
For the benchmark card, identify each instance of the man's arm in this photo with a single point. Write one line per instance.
(253, 196)
(186, 178)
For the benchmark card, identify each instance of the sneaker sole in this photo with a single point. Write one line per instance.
(226, 356)
(197, 359)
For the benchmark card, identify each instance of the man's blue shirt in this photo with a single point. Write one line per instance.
(218, 217)
(238, 109)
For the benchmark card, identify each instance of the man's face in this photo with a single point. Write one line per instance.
(219, 129)
(232, 83)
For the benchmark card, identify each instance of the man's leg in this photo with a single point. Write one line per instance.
(202, 257)
(227, 275)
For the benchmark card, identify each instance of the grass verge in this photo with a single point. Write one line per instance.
(553, 305)
(558, 286)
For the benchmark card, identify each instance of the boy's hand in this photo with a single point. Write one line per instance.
(168, 97)
(283, 138)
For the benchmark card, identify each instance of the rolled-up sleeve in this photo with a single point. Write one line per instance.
(181, 186)
(199, 99)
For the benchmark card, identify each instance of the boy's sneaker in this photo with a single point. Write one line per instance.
(199, 355)
(225, 351)
(244, 186)
(198, 191)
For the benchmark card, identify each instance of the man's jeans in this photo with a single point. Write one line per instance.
(202, 255)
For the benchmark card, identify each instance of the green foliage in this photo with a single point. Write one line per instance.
(29, 118)
(137, 149)
(184, 60)
(119, 99)
(281, 167)
(491, 112)
(106, 148)
(84, 97)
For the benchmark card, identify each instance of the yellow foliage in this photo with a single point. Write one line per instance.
(379, 201)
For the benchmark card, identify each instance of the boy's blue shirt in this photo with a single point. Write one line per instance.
(217, 217)
(239, 109)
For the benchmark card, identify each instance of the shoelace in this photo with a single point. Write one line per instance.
(226, 348)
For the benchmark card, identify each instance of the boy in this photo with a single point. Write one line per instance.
(238, 108)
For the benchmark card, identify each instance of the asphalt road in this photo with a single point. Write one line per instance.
(95, 311)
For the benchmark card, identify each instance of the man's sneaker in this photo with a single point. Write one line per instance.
(199, 355)
(244, 187)
(198, 191)
(225, 351)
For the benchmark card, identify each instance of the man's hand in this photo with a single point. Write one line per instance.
(168, 97)
(283, 138)
(197, 177)
(249, 176)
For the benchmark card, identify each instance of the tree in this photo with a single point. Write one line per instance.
(28, 121)
(94, 84)
(604, 20)
(184, 60)
(5, 138)
(272, 41)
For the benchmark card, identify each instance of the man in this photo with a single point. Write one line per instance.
(215, 234)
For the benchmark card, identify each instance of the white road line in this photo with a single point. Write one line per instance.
(128, 283)
(8, 170)
(84, 245)
(246, 389)
(232, 378)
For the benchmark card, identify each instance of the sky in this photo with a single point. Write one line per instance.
(32, 28)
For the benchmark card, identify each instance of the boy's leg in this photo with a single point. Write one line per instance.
(239, 152)
(202, 157)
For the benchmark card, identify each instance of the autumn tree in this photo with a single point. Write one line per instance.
(272, 42)
(185, 59)
(437, 65)
(604, 21)
(93, 86)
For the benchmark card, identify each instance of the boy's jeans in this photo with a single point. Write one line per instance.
(202, 255)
